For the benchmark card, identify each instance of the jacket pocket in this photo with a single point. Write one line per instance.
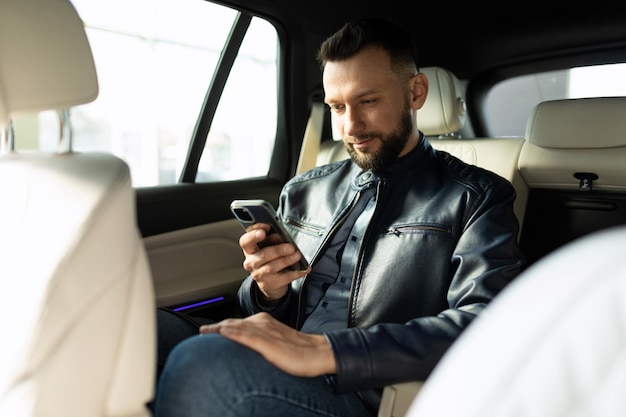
(305, 228)
(419, 228)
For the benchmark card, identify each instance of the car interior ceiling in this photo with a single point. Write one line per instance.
(497, 39)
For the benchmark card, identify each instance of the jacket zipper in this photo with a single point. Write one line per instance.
(314, 230)
(328, 236)
(398, 230)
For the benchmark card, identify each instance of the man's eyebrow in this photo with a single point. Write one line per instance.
(368, 92)
(357, 96)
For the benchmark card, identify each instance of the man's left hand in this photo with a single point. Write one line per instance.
(297, 353)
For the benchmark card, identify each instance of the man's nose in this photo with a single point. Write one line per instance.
(353, 123)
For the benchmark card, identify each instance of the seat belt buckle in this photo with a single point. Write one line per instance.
(586, 180)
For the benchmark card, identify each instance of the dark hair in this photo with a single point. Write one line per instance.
(354, 37)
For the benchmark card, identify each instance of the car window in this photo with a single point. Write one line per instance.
(241, 139)
(155, 63)
(509, 103)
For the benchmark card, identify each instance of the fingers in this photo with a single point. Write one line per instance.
(294, 352)
(267, 265)
(258, 329)
(250, 330)
(257, 258)
(254, 235)
(216, 327)
(271, 259)
(274, 286)
(268, 260)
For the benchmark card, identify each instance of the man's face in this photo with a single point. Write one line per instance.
(371, 108)
(391, 145)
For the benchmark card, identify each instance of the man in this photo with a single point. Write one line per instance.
(407, 244)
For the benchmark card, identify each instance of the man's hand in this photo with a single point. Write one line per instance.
(297, 353)
(267, 265)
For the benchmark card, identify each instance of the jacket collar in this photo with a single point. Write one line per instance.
(409, 164)
(412, 162)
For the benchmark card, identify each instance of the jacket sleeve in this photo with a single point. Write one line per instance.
(248, 297)
(485, 259)
(248, 300)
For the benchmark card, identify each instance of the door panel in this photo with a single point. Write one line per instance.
(198, 263)
(168, 208)
(192, 241)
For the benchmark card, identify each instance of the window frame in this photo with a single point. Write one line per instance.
(478, 88)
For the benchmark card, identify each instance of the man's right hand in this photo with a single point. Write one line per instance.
(267, 265)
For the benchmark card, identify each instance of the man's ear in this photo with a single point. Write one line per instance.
(419, 90)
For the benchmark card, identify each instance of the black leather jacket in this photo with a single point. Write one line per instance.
(441, 244)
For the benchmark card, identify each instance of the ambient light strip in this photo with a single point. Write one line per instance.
(200, 303)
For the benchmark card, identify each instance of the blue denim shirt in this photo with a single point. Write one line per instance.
(328, 290)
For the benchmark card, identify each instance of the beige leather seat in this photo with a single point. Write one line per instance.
(444, 111)
(574, 161)
(552, 344)
(564, 137)
(499, 155)
(76, 301)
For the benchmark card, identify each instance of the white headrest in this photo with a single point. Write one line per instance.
(45, 58)
(598, 122)
(444, 110)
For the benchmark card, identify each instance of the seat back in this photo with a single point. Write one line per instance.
(76, 300)
(574, 161)
(499, 155)
(444, 110)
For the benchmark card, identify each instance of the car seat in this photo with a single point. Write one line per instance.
(76, 301)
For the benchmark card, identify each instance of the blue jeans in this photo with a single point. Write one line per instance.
(209, 375)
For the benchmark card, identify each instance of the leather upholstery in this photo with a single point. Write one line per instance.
(576, 135)
(76, 303)
(76, 299)
(444, 111)
(38, 74)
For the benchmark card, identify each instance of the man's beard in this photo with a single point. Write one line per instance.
(390, 147)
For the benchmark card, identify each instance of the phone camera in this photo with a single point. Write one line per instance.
(243, 214)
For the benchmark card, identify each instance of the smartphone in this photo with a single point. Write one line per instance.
(249, 212)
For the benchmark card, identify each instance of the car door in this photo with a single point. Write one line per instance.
(191, 99)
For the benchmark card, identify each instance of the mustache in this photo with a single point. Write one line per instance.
(362, 137)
